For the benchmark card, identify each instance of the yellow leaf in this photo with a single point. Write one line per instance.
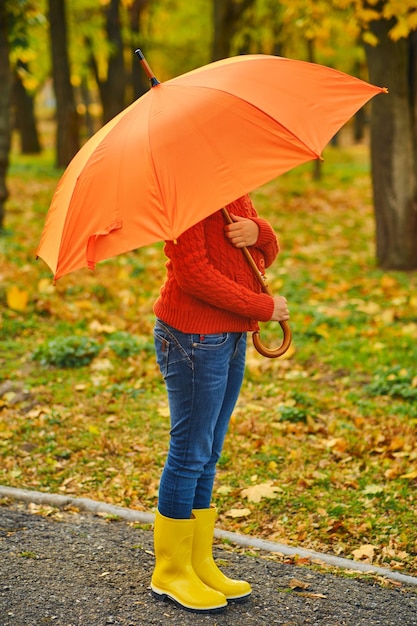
(45, 286)
(101, 365)
(369, 308)
(238, 513)
(224, 490)
(288, 354)
(392, 473)
(365, 552)
(6, 434)
(410, 475)
(400, 30)
(378, 345)
(409, 329)
(338, 443)
(373, 489)
(323, 330)
(84, 304)
(263, 490)
(17, 299)
(397, 443)
(388, 283)
(93, 430)
(163, 411)
(387, 316)
(98, 327)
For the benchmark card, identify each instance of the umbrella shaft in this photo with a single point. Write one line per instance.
(249, 258)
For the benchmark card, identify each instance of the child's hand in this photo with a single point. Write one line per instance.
(243, 232)
(281, 312)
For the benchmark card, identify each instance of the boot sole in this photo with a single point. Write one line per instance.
(166, 597)
(239, 599)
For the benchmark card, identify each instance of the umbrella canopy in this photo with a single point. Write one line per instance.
(188, 147)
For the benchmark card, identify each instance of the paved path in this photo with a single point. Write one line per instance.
(80, 569)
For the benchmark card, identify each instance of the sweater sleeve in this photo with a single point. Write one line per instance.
(197, 276)
(267, 241)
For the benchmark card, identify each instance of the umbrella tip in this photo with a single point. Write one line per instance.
(153, 80)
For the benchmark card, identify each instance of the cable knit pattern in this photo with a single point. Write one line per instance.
(210, 287)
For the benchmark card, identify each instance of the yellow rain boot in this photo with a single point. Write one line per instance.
(174, 576)
(203, 562)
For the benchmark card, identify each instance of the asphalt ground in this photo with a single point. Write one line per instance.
(68, 568)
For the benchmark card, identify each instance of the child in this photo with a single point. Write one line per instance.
(210, 300)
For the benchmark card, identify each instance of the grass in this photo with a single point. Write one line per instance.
(326, 435)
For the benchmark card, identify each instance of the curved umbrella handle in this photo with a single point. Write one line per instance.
(273, 353)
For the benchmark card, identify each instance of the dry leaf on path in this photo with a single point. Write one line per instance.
(298, 584)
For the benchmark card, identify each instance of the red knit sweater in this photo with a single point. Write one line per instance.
(210, 287)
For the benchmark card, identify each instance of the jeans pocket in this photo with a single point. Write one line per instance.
(169, 347)
(162, 352)
(210, 341)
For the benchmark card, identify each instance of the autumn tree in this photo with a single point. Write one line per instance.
(5, 95)
(227, 15)
(24, 120)
(139, 82)
(388, 29)
(392, 60)
(67, 136)
(113, 86)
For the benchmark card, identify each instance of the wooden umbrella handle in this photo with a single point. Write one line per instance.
(271, 353)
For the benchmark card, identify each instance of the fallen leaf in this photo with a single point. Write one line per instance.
(98, 327)
(298, 584)
(410, 475)
(288, 354)
(263, 490)
(409, 329)
(45, 286)
(238, 513)
(224, 490)
(373, 489)
(101, 365)
(369, 308)
(17, 299)
(365, 552)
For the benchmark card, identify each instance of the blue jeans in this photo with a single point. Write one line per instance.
(203, 375)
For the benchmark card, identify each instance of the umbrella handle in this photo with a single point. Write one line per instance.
(271, 353)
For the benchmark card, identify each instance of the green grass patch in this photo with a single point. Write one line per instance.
(322, 447)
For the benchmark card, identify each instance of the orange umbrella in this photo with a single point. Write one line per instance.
(188, 147)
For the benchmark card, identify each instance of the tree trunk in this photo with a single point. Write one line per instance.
(113, 90)
(226, 20)
(5, 95)
(67, 136)
(139, 81)
(24, 117)
(393, 149)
